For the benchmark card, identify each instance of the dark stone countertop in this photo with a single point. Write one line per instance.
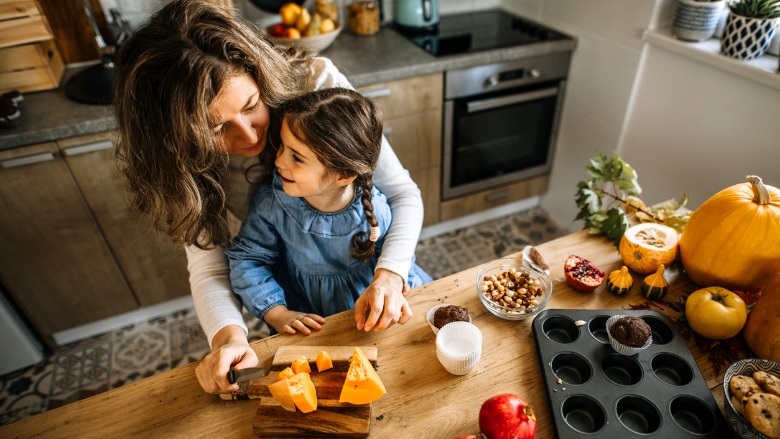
(385, 56)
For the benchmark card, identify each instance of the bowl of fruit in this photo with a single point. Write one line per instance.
(311, 31)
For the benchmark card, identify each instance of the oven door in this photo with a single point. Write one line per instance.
(499, 138)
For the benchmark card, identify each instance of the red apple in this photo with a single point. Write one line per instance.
(507, 416)
(278, 30)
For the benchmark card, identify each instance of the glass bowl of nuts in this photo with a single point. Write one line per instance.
(512, 289)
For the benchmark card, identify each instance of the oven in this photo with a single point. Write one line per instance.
(500, 122)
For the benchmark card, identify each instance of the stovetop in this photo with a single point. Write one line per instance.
(477, 31)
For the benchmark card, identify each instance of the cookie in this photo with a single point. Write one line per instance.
(738, 404)
(743, 385)
(762, 410)
(769, 383)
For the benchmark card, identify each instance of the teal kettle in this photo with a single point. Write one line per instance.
(416, 15)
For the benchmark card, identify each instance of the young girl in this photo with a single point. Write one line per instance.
(312, 237)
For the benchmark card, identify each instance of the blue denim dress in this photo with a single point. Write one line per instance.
(288, 253)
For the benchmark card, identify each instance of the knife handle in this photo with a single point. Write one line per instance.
(231, 376)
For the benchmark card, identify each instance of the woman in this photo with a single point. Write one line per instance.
(195, 93)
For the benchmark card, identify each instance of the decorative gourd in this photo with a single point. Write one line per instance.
(762, 330)
(323, 361)
(620, 281)
(301, 364)
(363, 385)
(645, 246)
(303, 393)
(654, 286)
(286, 373)
(280, 390)
(733, 238)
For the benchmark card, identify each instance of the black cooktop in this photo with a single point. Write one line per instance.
(478, 31)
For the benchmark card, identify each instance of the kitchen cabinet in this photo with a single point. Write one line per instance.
(491, 198)
(412, 111)
(71, 253)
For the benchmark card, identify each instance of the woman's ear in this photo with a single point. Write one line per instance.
(343, 180)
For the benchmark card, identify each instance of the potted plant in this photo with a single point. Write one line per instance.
(696, 20)
(750, 27)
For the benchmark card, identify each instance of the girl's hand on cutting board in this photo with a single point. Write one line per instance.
(229, 348)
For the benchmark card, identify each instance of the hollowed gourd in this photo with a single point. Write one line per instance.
(645, 246)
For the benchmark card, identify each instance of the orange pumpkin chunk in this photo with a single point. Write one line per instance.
(303, 393)
(286, 373)
(363, 385)
(301, 364)
(280, 390)
(323, 361)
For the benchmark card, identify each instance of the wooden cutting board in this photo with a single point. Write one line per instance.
(332, 418)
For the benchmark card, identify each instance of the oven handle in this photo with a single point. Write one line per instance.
(503, 101)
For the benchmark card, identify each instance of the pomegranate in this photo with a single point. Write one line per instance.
(581, 274)
(507, 416)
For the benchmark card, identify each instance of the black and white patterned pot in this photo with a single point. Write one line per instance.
(696, 20)
(747, 37)
(741, 428)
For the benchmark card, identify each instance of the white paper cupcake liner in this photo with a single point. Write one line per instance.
(620, 347)
(430, 314)
(459, 347)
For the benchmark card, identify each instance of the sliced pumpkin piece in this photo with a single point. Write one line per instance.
(303, 393)
(363, 385)
(301, 364)
(323, 361)
(287, 372)
(280, 390)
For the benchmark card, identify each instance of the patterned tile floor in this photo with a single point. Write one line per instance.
(111, 360)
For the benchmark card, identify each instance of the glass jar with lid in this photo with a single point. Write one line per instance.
(363, 17)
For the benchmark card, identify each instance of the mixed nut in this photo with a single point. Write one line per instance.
(512, 289)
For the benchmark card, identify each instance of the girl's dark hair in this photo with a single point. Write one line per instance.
(344, 130)
(167, 74)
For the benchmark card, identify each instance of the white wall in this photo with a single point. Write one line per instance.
(683, 125)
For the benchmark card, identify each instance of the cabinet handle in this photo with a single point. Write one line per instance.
(90, 147)
(377, 93)
(27, 160)
(495, 196)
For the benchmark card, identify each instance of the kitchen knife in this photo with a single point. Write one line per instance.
(241, 375)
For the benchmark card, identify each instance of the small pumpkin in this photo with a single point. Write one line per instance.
(733, 238)
(654, 286)
(762, 330)
(645, 246)
(619, 281)
(323, 361)
(362, 385)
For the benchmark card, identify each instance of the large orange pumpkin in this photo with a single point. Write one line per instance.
(762, 330)
(733, 239)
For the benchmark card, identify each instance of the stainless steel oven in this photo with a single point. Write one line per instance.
(500, 122)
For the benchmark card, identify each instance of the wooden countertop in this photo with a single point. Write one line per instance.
(421, 395)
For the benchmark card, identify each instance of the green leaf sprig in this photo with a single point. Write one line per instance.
(612, 192)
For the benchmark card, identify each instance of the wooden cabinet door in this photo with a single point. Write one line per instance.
(54, 261)
(155, 268)
(412, 110)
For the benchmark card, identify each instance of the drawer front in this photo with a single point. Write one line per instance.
(492, 198)
(407, 96)
(30, 67)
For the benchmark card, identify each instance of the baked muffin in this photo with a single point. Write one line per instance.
(450, 313)
(631, 331)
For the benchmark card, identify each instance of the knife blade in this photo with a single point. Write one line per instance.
(246, 374)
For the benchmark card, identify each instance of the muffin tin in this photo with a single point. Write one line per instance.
(595, 391)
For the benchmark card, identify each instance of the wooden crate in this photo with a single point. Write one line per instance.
(29, 60)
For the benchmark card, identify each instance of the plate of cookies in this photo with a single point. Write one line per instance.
(752, 389)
